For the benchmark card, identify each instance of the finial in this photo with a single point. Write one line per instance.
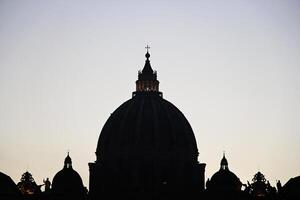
(147, 78)
(224, 163)
(68, 161)
(147, 47)
(147, 54)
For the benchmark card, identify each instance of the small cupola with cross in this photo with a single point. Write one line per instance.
(68, 162)
(224, 163)
(147, 78)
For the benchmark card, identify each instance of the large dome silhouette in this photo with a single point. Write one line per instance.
(147, 126)
(146, 149)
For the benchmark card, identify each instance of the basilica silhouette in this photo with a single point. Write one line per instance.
(147, 151)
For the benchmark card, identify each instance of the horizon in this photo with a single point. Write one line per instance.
(231, 68)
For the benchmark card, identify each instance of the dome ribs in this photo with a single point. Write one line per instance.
(147, 126)
(190, 137)
(123, 137)
(138, 130)
(155, 127)
(170, 126)
(147, 148)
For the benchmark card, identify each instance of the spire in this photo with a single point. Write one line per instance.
(147, 54)
(147, 78)
(68, 162)
(147, 70)
(224, 163)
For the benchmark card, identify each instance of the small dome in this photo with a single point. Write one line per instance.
(224, 179)
(8, 189)
(67, 182)
(291, 189)
(293, 182)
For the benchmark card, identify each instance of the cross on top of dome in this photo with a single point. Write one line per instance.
(147, 78)
(147, 55)
(147, 47)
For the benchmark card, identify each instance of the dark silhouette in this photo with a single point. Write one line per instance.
(8, 189)
(291, 190)
(47, 185)
(260, 188)
(67, 183)
(224, 184)
(28, 186)
(147, 151)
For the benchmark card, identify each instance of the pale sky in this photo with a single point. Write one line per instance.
(232, 67)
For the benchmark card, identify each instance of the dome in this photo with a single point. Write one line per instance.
(148, 126)
(67, 181)
(146, 149)
(293, 183)
(291, 189)
(224, 179)
(8, 188)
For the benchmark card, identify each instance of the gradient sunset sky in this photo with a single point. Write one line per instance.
(232, 67)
